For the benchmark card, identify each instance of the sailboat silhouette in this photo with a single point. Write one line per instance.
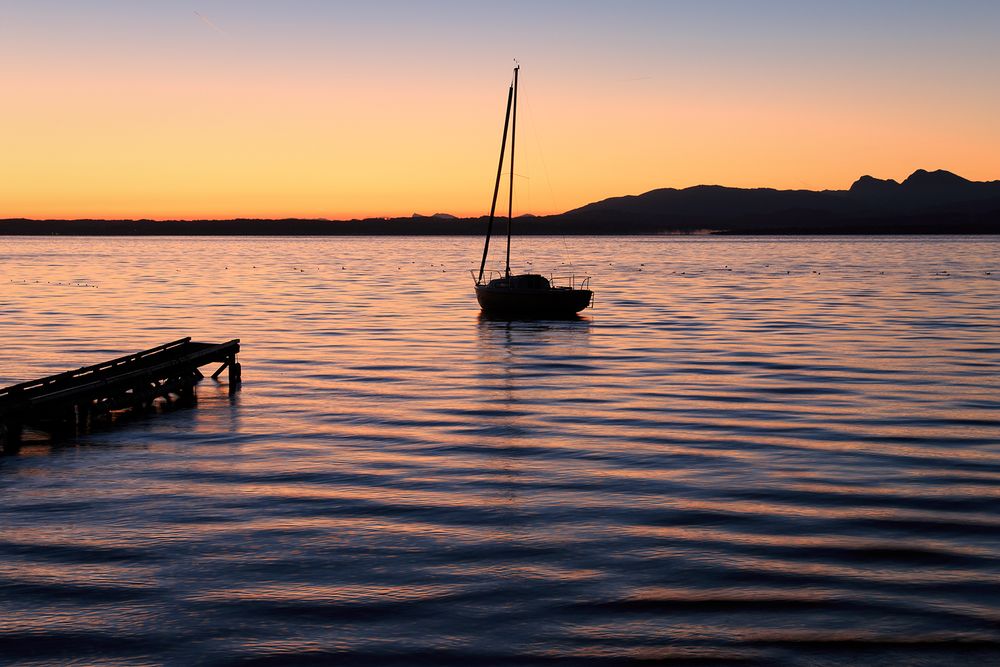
(529, 295)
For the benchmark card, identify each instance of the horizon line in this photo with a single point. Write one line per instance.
(459, 216)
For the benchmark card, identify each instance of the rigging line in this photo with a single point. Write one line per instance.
(566, 254)
(541, 153)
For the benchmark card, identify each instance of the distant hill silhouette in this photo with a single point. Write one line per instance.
(927, 202)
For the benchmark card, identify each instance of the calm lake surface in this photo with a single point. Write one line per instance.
(751, 451)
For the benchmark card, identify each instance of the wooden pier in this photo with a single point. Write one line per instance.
(67, 403)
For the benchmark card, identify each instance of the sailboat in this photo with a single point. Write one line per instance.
(528, 295)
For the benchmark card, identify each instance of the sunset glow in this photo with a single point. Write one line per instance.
(303, 109)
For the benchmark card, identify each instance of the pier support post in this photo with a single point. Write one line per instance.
(10, 437)
(83, 417)
(235, 374)
(186, 396)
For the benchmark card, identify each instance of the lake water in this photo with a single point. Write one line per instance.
(751, 451)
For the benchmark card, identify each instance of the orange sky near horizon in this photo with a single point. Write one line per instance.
(193, 120)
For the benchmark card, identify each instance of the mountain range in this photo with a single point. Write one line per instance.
(927, 202)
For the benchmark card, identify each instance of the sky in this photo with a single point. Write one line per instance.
(310, 108)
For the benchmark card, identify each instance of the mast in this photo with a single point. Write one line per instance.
(496, 190)
(510, 197)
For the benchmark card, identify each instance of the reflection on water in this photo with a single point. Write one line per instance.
(753, 451)
(532, 351)
(518, 368)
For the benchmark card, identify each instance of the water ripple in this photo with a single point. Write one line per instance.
(792, 461)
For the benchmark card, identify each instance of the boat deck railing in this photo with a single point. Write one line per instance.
(571, 281)
(488, 275)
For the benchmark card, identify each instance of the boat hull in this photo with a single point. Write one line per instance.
(553, 302)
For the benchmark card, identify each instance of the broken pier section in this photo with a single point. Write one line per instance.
(68, 402)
